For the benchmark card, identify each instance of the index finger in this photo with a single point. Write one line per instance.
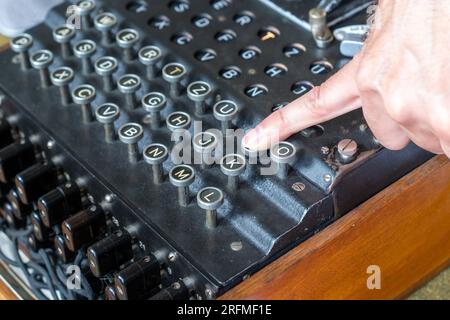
(335, 97)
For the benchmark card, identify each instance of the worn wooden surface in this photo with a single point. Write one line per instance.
(5, 293)
(4, 42)
(405, 230)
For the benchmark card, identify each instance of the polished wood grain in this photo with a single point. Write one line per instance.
(5, 293)
(405, 230)
(4, 43)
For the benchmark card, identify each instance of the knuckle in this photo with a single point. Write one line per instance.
(441, 127)
(398, 110)
(313, 102)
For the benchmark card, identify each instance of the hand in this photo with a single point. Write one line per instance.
(401, 79)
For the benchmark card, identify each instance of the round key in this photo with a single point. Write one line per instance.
(177, 123)
(22, 45)
(41, 60)
(283, 154)
(63, 35)
(173, 73)
(182, 177)
(126, 39)
(62, 77)
(225, 111)
(105, 22)
(129, 84)
(83, 95)
(106, 67)
(149, 56)
(210, 199)
(85, 9)
(199, 92)
(155, 155)
(154, 103)
(84, 50)
(107, 114)
(204, 144)
(233, 165)
(131, 134)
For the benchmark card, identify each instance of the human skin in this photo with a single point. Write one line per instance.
(401, 79)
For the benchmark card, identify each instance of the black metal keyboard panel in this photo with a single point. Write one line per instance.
(267, 215)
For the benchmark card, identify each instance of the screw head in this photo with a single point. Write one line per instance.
(21, 43)
(62, 76)
(41, 59)
(347, 150)
(63, 34)
(84, 94)
(106, 66)
(131, 133)
(107, 113)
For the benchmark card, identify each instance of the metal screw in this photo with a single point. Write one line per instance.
(325, 150)
(109, 198)
(236, 246)
(299, 186)
(51, 144)
(347, 150)
(172, 256)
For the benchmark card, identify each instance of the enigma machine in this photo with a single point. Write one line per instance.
(95, 104)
